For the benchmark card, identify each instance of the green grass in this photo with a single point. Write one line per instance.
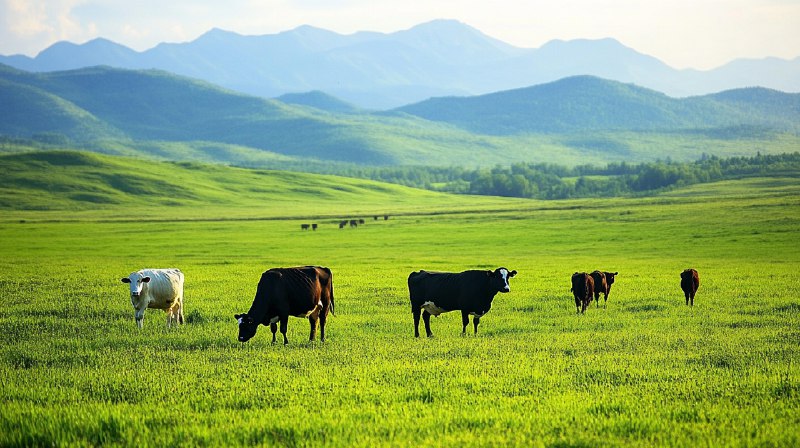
(645, 371)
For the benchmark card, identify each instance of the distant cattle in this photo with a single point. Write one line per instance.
(690, 281)
(602, 284)
(313, 227)
(471, 292)
(304, 226)
(342, 224)
(353, 223)
(282, 292)
(582, 289)
(157, 288)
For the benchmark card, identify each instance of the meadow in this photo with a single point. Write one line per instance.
(644, 371)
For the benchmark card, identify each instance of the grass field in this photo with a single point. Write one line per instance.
(645, 371)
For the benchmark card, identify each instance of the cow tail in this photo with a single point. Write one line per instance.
(332, 305)
(330, 279)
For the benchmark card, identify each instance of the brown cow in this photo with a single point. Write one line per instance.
(690, 281)
(282, 292)
(602, 284)
(582, 289)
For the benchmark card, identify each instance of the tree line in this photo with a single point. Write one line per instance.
(550, 181)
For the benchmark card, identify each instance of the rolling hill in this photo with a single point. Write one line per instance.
(585, 103)
(584, 119)
(129, 188)
(383, 71)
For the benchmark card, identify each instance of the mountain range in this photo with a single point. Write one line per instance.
(163, 115)
(384, 71)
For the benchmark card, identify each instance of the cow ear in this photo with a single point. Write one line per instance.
(146, 280)
(238, 316)
(512, 273)
(126, 280)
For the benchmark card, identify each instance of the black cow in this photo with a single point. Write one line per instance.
(690, 281)
(602, 284)
(282, 292)
(472, 292)
(582, 289)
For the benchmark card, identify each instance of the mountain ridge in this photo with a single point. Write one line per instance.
(105, 108)
(384, 71)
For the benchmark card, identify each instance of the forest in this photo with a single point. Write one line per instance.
(551, 181)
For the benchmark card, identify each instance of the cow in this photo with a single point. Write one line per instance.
(582, 289)
(305, 291)
(602, 284)
(471, 292)
(157, 288)
(690, 281)
(342, 224)
(314, 227)
(304, 226)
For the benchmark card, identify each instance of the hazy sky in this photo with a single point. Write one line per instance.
(700, 34)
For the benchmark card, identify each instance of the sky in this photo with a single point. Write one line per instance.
(700, 34)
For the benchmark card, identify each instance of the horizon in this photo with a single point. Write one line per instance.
(676, 33)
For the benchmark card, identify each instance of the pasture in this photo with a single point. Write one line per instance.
(645, 371)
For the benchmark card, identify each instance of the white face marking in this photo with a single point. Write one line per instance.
(241, 319)
(135, 284)
(504, 274)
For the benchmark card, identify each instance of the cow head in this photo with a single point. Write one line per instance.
(138, 283)
(499, 279)
(610, 277)
(247, 327)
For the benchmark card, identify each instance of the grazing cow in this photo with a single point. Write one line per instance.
(157, 288)
(353, 223)
(582, 289)
(471, 292)
(602, 284)
(282, 292)
(304, 226)
(314, 227)
(690, 281)
(342, 224)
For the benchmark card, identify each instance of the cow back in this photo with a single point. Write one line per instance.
(292, 291)
(468, 290)
(599, 282)
(164, 288)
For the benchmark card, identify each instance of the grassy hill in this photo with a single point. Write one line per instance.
(130, 188)
(579, 120)
(585, 103)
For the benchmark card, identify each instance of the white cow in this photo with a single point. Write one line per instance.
(157, 288)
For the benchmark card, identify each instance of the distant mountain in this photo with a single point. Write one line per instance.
(94, 107)
(156, 113)
(383, 71)
(585, 103)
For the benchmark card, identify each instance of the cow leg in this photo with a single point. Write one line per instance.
(475, 321)
(426, 317)
(313, 321)
(322, 318)
(273, 327)
(578, 303)
(416, 312)
(687, 297)
(180, 310)
(464, 322)
(691, 300)
(284, 327)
